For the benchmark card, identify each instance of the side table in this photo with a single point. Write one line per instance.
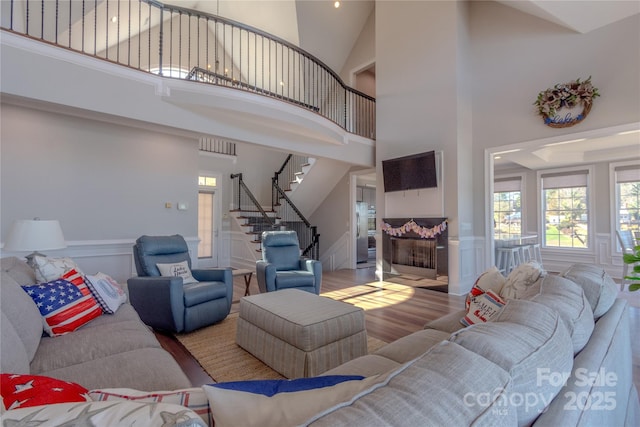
(247, 278)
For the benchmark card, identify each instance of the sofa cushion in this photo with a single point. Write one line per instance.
(65, 304)
(143, 369)
(193, 398)
(18, 270)
(413, 345)
(523, 276)
(276, 403)
(491, 279)
(448, 323)
(598, 286)
(106, 414)
(91, 344)
(179, 269)
(367, 366)
(22, 313)
(23, 391)
(569, 301)
(50, 268)
(470, 390)
(106, 291)
(482, 308)
(14, 356)
(524, 338)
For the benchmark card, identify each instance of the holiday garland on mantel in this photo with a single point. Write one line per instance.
(423, 232)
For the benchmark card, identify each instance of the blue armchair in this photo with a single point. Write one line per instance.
(282, 267)
(166, 303)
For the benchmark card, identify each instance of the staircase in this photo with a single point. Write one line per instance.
(253, 219)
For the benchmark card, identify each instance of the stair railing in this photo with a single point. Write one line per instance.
(292, 219)
(182, 43)
(287, 174)
(244, 200)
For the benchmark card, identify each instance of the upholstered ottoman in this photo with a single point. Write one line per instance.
(300, 334)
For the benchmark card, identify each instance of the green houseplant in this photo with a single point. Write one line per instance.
(634, 260)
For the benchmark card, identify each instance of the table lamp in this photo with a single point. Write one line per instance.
(34, 235)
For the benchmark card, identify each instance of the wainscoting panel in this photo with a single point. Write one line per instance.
(112, 257)
(338, 255)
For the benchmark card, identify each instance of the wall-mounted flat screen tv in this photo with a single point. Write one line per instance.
(410, 172)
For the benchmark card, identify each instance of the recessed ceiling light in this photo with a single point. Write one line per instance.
(281, 83)
(336, 4)
(497, 157)
(114, 19)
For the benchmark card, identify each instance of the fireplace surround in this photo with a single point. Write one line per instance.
(410, 255)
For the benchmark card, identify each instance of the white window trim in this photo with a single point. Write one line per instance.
(590, 223)
(523, 195)
(613, 203)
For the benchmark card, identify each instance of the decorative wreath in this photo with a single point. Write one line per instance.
(566, 95)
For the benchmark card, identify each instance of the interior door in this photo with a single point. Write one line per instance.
(207, 233)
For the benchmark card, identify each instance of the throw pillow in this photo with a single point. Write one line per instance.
(48, 269)
(22, 391)
(483, 308)
(276, 403)
(65, 304)
(521, 278)
(193, 398)
(106, 291)
(491, 279)
(104, 414)
(180, 269)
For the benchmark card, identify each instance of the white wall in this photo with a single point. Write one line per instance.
(515, 56)
(101, 181)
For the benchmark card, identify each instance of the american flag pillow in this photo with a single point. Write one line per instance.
(65, 304)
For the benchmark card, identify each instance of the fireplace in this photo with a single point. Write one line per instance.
(417, 252)
(414, 256)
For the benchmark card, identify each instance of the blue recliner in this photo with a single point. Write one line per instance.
(165, 303)
(282, 267)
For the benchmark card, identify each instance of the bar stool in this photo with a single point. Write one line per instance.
(507, 259)
(536, 254)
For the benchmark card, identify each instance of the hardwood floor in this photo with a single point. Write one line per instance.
(391, 312)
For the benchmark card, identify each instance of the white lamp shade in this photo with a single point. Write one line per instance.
(34, 235)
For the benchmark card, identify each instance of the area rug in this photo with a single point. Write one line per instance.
(215, 348)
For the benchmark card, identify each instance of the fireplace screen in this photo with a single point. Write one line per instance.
(414, 256)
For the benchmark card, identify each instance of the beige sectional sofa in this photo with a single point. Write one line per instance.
(114, 350)
(545, 359)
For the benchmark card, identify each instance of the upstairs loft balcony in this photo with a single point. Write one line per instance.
(188, 45)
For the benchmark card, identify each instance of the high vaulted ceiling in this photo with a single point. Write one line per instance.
(330, 33)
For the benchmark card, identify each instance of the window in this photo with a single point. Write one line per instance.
(206, 195)
(565, 209)
(205, 224)
(627, 191)
(507, 207)
(175, 72)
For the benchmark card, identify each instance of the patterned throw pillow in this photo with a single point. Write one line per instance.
(106, 291)
(65, 304)
(178, 269)
(482, 308)
(193, 398)
(491, 279)
(22, 391)
(104, 414)
(276, 403)
(521, 278)
(48, 269)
